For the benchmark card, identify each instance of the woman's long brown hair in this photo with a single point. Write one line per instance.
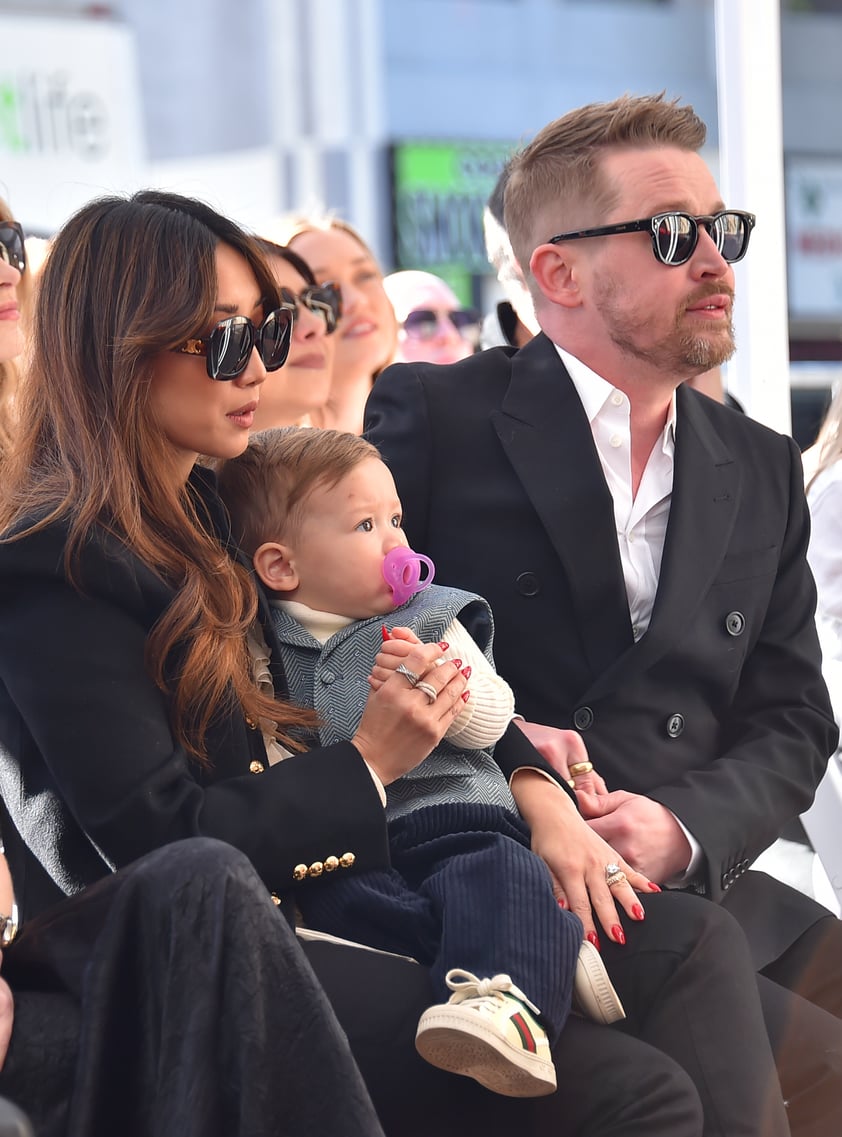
(127, 279)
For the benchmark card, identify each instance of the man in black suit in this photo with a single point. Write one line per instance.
(642, 547)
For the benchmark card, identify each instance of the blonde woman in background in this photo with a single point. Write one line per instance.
(366, 335)
(12, 271)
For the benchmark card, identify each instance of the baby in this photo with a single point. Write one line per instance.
(319, 514)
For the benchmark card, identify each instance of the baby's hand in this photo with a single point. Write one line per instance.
(397, 645)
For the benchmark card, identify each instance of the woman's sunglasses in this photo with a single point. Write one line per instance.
(12, 248)
(229, 345)
(323, 299)
(675, 235)
(423, 323)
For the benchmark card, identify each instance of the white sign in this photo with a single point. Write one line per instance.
(70, 123)
(814, 237)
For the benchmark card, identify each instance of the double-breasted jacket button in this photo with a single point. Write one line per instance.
(316, 868)
(256, 767)
(735, 623)
(331, 863)
(276, 900)
(299, 872)
(528, 584)
(583, 718)
(675, 725)
(346, 860)
(252, 725)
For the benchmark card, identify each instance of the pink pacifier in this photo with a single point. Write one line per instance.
(402, 573)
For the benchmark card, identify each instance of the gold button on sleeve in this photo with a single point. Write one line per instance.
(346, 860)
(276, 900)
(256, 767)
(331, 863)
(299, 872)
(315, 869)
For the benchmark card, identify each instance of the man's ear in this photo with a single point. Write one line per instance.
(556, 275)
(274, 566)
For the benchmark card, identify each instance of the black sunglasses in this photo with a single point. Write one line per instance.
(229, 345)
(675, 234)
(323, 299)
(423, 323)
(12, 248)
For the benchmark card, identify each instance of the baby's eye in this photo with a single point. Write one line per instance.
(396, 521)
(366, 526)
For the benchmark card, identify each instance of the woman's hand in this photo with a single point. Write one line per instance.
(402, 721)
(397, 645)
(577, 858)
(7, 1014)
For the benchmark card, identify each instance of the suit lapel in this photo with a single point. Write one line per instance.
(545, 434)
(703, 509)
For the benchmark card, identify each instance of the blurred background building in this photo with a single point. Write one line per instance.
(397, 115)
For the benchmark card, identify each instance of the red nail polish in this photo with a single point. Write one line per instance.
(653, 887)
(458, 662)
(444, 645)
(562, 903)
(593, 938)
(466, 671)
(637, 912)
(618, 935)
(384, 631)
(465, 696)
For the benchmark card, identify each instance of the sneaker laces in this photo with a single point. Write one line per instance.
(488, 993)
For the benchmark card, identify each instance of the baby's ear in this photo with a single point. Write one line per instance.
(273, 564)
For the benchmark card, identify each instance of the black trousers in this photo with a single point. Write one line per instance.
(693, 1056)
(172, 1000)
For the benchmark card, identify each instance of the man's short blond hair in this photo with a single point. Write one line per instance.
(555, 183)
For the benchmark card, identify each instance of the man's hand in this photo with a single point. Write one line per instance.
(644, 832)
(563, 749)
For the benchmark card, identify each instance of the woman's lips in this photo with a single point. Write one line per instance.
(244, 416)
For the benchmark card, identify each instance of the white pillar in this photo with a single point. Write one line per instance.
(748, 57)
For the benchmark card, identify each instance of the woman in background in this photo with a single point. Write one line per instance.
(367, 332)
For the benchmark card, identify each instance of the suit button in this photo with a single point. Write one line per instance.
(299, 872)
(583, 718)
(256, 767)
(331, 863)
(315, 869)
(675, 725)
(276, 900)
(528, 584)
(735, 623)
(346, 860)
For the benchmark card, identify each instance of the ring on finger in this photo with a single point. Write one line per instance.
(579, 768)
(429, 690)
(614, 875)
(412, 678)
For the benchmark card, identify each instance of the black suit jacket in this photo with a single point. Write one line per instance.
(719, 711)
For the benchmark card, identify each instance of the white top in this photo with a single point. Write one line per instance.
(825, 557)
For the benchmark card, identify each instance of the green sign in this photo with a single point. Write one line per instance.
(439, 192)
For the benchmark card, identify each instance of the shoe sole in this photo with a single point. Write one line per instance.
(481, 1054)
(593, 992)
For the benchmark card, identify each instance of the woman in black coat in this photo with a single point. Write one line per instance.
(131, 715)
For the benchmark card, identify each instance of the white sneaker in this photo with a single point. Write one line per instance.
(594, 996)
(487, 1030)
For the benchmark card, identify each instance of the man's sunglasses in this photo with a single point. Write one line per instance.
(675, 235)
(229, 345)
(423, 323)
(12, 249)
(323, 299)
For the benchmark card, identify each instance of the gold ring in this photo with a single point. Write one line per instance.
(579, 768)
(429, 690)
(616, 878)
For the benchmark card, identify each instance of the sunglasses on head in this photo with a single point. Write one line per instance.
(12, 249)
(323, 299)
(229, 345)
(423, 323)
(675, 234)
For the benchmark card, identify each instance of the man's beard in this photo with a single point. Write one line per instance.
(678, 352)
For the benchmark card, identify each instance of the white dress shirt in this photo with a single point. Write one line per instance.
(641, 520)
